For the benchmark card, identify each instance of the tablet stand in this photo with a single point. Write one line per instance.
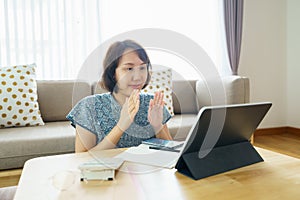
(219, 159)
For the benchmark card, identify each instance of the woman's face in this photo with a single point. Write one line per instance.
(131, 73)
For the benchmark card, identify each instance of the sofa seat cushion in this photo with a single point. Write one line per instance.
(180, 125)
(29, 142)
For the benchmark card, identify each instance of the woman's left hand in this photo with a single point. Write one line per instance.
(155, 111)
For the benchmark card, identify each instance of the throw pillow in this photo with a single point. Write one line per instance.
(18, 97)
(161, 80)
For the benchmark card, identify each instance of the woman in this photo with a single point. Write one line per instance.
(123, 117)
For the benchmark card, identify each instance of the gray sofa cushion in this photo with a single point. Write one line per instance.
(19, 144)
(184, 97)
(56, 98)
(180, 125)
(236, 90)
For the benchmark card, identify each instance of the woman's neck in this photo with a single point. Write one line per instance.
(119, 98)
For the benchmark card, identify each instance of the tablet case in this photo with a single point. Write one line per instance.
(232, 149)
(220, 159)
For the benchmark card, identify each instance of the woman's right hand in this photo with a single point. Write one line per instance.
(129, 110)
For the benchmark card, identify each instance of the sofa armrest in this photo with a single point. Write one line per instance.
(237, 90)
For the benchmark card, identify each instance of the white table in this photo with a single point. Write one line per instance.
(57, 177)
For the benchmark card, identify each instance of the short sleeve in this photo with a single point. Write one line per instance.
(83, 114)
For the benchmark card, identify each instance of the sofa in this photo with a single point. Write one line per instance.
(56, 99)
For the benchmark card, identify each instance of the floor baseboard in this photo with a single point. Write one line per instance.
(277, 130)
(293, 130)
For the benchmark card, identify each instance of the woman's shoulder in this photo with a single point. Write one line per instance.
(103, 96)
(96, 98)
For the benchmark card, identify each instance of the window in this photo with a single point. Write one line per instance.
(55, 34)
(199, 20)
(59, 35)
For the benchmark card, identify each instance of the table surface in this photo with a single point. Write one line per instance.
(58, 177)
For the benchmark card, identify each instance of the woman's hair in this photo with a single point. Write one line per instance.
(111, 62)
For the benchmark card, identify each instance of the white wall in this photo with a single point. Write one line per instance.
(293, 63)
(263, 56)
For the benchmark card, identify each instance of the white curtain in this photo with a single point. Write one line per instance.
(200, 20)
(58, 35)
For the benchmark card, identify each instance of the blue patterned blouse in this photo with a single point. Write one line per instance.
(100, 113)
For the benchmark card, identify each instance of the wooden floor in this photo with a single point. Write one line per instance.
(288, 144)
(9, 177)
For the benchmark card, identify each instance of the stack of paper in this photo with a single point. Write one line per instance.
(142, 154)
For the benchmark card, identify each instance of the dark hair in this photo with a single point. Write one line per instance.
(112, 58)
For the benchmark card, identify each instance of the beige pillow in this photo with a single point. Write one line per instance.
(18, 97)
(161, 80)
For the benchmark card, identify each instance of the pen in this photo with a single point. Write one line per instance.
(164, 149)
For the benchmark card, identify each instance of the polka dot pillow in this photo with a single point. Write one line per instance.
(18, 97)
(161, 80)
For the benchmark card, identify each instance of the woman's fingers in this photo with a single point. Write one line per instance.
(151, 103)
(133, 110)
(131, 97)
(134, 97)
(131, 107)
(134, 103)
(136, 107)
(155, 98)
(158, 98)
(161, 99)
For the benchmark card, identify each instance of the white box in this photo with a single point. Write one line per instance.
(100, 169)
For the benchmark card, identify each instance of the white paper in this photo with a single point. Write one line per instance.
(142, 154)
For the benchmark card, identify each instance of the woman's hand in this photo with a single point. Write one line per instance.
(129, 110)
(155, 111)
